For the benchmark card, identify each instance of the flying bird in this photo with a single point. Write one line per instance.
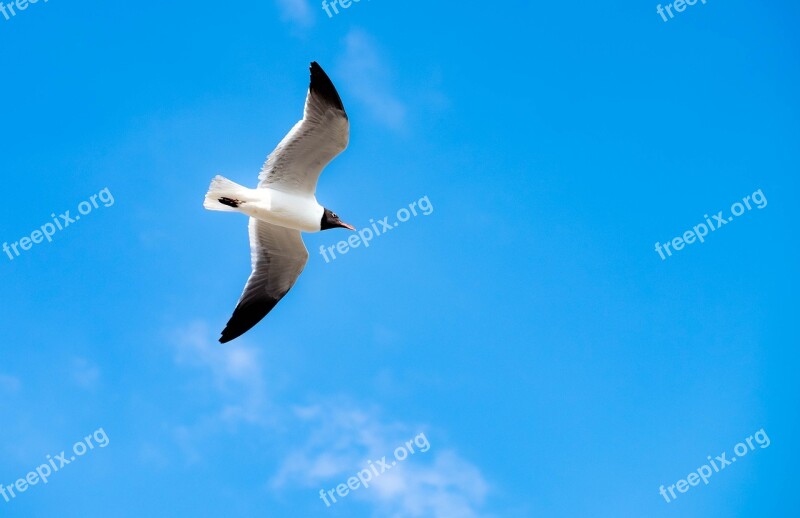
(284, 204)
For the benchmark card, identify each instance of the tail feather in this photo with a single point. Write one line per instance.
(225, 195)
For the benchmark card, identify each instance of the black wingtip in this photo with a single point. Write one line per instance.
(322, 86)
(246, 315)
(229, 336)
(232, 332)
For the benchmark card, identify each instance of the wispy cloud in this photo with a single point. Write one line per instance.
(451, 486)
(329, 441)
(369, 79)
(438, 484)
(296, 11)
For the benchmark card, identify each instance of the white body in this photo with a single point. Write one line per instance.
(301, 213)
(296, 211)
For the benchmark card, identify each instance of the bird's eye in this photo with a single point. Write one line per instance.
(334, 215)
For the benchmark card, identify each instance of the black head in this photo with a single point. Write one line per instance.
(331, 220)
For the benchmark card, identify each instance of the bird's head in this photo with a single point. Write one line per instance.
(331, 220)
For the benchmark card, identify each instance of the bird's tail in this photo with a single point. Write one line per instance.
(226, 195)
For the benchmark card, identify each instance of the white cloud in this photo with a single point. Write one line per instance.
(369, 80)
(327, 443)
(436, 483)
(449, 487)
(296, 11)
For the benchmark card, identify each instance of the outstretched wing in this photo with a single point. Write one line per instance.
(278, 256)
(294, 166)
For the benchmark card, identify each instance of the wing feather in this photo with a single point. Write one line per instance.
(324, 132)
(278, 257)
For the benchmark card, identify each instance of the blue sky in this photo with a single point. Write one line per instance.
(527, 326)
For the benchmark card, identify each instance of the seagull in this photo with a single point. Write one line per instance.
(284, 204)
